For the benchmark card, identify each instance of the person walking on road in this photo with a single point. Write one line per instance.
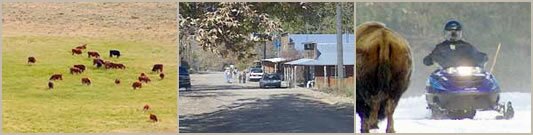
(239, 76)
(243, 74)
(227, 77)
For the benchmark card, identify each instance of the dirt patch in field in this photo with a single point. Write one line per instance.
(126, 21)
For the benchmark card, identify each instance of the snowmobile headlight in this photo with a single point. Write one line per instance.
(468, 71)
(451, 70)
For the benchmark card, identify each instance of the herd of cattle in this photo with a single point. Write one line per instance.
(98, 62)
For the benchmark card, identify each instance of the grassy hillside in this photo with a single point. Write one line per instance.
(28, 105)
(145, 34)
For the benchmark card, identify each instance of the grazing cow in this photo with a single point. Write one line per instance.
(162, 75)
(56, 77)
(86, 81)
(81, 67)
(157, 68)
(114, 65)
(136, 85)
(108, 65)
(31, 60)
(76, 51)
(117, 81)
(50, 85)
(93, 54)
(144, 79)
(384, 66)
(153, 118)
(75, 70)
(114, 53)
(120, 66)
(83, 46)
(146, 107)
(98, 62)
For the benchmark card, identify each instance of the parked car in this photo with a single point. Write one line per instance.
(273, 80)
(255, 74)
(185, 79)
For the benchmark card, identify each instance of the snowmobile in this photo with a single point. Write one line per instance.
(458, 92)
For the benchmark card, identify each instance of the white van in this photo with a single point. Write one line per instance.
(255, 74)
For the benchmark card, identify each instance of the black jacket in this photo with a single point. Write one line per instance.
(456, 53)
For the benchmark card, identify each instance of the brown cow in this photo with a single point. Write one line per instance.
(384, 66)
(93, 54)
(120, 66)
(50, 85)
(75, 70)
(144, 79)
(146, 107)
(157, 68)
(162, 75)
(108, 65)
(31, 60)
(117, 81)
(153, 118)
(56, 77)
(76, 51)
(136, 85)
(81, 67)
(86, 81)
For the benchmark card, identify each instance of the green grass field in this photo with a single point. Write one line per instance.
(29, 107)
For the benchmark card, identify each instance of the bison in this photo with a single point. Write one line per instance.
(144, 79)
(157, 68)
(80, 66)
(162, 75)
(50, 85)
(117, 81)
(93, 54)
(76, 51)
(56, 77)
(136, 85)
(383, 71)
(86, 81)
(114, 53)
(75, 70)
(31, 60)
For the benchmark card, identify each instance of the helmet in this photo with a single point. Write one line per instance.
(453, 30)
(453, 25)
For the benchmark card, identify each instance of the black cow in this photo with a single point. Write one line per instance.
(114, 53)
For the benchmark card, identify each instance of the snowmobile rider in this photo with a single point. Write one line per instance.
(454, 52)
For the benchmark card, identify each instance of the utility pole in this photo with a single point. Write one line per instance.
(264, 49)
(340, 64)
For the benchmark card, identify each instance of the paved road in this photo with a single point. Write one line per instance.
(213, 106)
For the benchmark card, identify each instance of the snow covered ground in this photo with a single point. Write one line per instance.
(411, 116)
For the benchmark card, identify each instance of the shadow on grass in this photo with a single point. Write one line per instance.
(290, 113)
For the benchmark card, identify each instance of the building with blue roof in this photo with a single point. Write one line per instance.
(318, 66)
